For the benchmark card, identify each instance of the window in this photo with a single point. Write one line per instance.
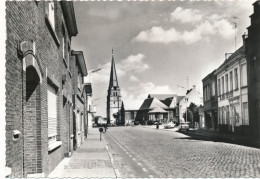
(253, 67)
(231, 80)
(52, 114)
(243, 75)
(226, 78)
(213, 88)
(219, 91)
(227, 115)
(245, 113)
(63, 43)
(79, 83)
(132, 115)
(222, 82)
(236, 79)
(68, 55)
(51, 15)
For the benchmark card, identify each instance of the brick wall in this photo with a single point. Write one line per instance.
(26, 21)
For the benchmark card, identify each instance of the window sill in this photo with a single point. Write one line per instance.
(54, 145)
(8, 171)
(236, 89)
(242, 87)
(54, 35)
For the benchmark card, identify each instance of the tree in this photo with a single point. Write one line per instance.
(192, 114)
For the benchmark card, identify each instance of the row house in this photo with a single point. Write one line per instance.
(233, 94)
(210, 100)
(89, 109)
(252, 44)
(78, 71)
(40, 81)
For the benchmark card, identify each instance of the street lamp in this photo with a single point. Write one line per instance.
(94, 71)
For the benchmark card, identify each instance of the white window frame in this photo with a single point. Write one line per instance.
(213, 88)
(243, 75)
(52, 100)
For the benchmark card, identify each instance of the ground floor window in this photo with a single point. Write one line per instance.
(245, 113)
(52, 114)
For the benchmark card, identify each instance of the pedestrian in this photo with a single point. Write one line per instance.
(105, 127)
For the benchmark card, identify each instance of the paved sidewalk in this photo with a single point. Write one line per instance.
(90, 160)
(227, 137)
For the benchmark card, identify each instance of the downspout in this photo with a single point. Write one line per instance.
(20, 55)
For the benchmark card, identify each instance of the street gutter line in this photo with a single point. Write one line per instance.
(116, 171)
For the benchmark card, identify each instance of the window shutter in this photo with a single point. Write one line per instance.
(52, 112)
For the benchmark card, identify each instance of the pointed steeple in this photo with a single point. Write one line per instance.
(113, 77)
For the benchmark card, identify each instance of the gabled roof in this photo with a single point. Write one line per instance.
(151, 103)
(161, 96)
(157, 110)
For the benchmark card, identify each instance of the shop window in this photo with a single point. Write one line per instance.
(245, 113)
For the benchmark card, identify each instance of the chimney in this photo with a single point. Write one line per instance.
(227, 55)
(244, 37)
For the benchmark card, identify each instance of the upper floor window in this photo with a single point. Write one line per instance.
(222, 85)
(51, 14)
(231, 80)
(236, 78)
(219, 90)
(79, 80)
(213, 88)
(243, 75)
(226, 78)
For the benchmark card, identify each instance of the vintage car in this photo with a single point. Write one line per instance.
(169, 125)
(184, 126)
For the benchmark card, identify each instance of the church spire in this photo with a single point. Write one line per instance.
(113, 77)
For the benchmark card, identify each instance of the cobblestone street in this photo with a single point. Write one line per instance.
(173, 154)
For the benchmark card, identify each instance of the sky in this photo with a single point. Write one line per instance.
(157, 45)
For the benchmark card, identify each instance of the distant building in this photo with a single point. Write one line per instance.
(233, 94)
(253, 72)
(192, 96)
(210, 100)
(130, 115)
(114, 100)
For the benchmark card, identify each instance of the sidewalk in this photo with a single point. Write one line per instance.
(227, 137)
(91, 160)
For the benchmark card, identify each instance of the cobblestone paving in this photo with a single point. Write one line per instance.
(172, 154)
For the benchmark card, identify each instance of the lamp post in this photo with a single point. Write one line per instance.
(94, 71)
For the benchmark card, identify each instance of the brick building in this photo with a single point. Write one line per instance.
(253, 71)
(78, 71)
(39, 91)
(210, 101)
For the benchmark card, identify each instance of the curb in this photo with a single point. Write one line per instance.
(117, 173)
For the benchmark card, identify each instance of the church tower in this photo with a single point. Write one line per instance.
(113, 96)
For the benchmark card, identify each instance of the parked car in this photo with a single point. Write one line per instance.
(136, 122)
(169, 125)
(184, 126)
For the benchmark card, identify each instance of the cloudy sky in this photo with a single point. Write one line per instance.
(157, 45)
